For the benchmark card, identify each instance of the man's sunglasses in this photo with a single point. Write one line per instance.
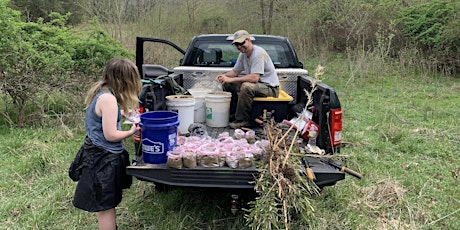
(239, 43)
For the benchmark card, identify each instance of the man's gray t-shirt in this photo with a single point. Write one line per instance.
(259, 62)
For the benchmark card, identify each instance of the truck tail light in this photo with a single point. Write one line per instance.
(141, 109)
(336, 127)
(137, 135)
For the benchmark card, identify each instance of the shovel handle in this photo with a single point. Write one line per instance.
(310, 174)
(351, 172)
(345, 169)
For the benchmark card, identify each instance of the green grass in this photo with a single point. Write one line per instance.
(401, 132)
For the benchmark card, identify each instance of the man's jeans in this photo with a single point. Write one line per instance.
(243, 96)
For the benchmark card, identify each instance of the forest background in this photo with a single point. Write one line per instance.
(395, 65)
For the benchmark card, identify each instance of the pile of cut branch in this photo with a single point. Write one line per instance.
(283, 186)
(284, 189)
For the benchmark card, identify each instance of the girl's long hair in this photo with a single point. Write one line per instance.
(121, 77)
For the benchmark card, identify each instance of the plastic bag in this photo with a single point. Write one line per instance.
(238, 134)
(245, 160)
(174, 160)
(209, 154)
(222, 156)
(232, 160)
(189, 159)
(250, 136)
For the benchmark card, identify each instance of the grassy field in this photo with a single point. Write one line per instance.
(401, 131)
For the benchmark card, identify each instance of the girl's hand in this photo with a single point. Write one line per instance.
(125, 115)
(135, 128)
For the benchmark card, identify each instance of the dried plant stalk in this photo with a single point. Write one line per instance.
(282, 184)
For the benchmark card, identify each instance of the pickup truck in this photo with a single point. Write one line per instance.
(211, 54)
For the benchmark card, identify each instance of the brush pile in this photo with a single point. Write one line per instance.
(284, 190)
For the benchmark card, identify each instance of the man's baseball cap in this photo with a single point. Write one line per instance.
(239, 36)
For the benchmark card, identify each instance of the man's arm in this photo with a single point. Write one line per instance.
(231, 73)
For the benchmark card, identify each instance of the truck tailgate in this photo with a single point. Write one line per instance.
(223, 177)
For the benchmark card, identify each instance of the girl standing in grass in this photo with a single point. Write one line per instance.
(103, 174)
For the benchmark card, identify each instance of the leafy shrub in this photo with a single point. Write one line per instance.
(433, 28)
(94, 48)
(9, 33)
(48, 58)
(429, 26)
(425, 23)
(40, 61)
(349, 24)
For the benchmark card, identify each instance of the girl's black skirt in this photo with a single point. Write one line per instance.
(103, 177)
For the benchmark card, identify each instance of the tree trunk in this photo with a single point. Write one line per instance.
(262, 16)
(266, 17)
(270, 17)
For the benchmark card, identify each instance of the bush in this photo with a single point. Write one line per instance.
(350, 24)
(431, 28)
(425, 23)
(94, 48)
(40, 62)
(49, 58)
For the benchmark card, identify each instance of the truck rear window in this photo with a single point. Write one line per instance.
(224, 54)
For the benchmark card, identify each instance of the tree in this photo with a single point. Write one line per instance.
(116, 13)
(32, 10)
(266, 11)
(192, 8)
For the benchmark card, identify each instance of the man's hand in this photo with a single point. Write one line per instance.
(222, 78)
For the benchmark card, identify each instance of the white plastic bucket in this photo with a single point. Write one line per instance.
(200, 104)
(184, 106)
(217, 108)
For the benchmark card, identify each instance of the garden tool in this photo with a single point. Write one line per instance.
(344, 169)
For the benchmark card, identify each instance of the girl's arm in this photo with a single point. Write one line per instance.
(107, 108)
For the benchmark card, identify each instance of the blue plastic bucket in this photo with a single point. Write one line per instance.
(159, 135)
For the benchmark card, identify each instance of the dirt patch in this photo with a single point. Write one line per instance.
(386, 203)
(384, 194)
(423, 131)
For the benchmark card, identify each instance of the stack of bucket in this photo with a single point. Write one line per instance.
(183, 105)
(200, 104)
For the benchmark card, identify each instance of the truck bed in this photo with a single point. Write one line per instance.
(222, 177)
